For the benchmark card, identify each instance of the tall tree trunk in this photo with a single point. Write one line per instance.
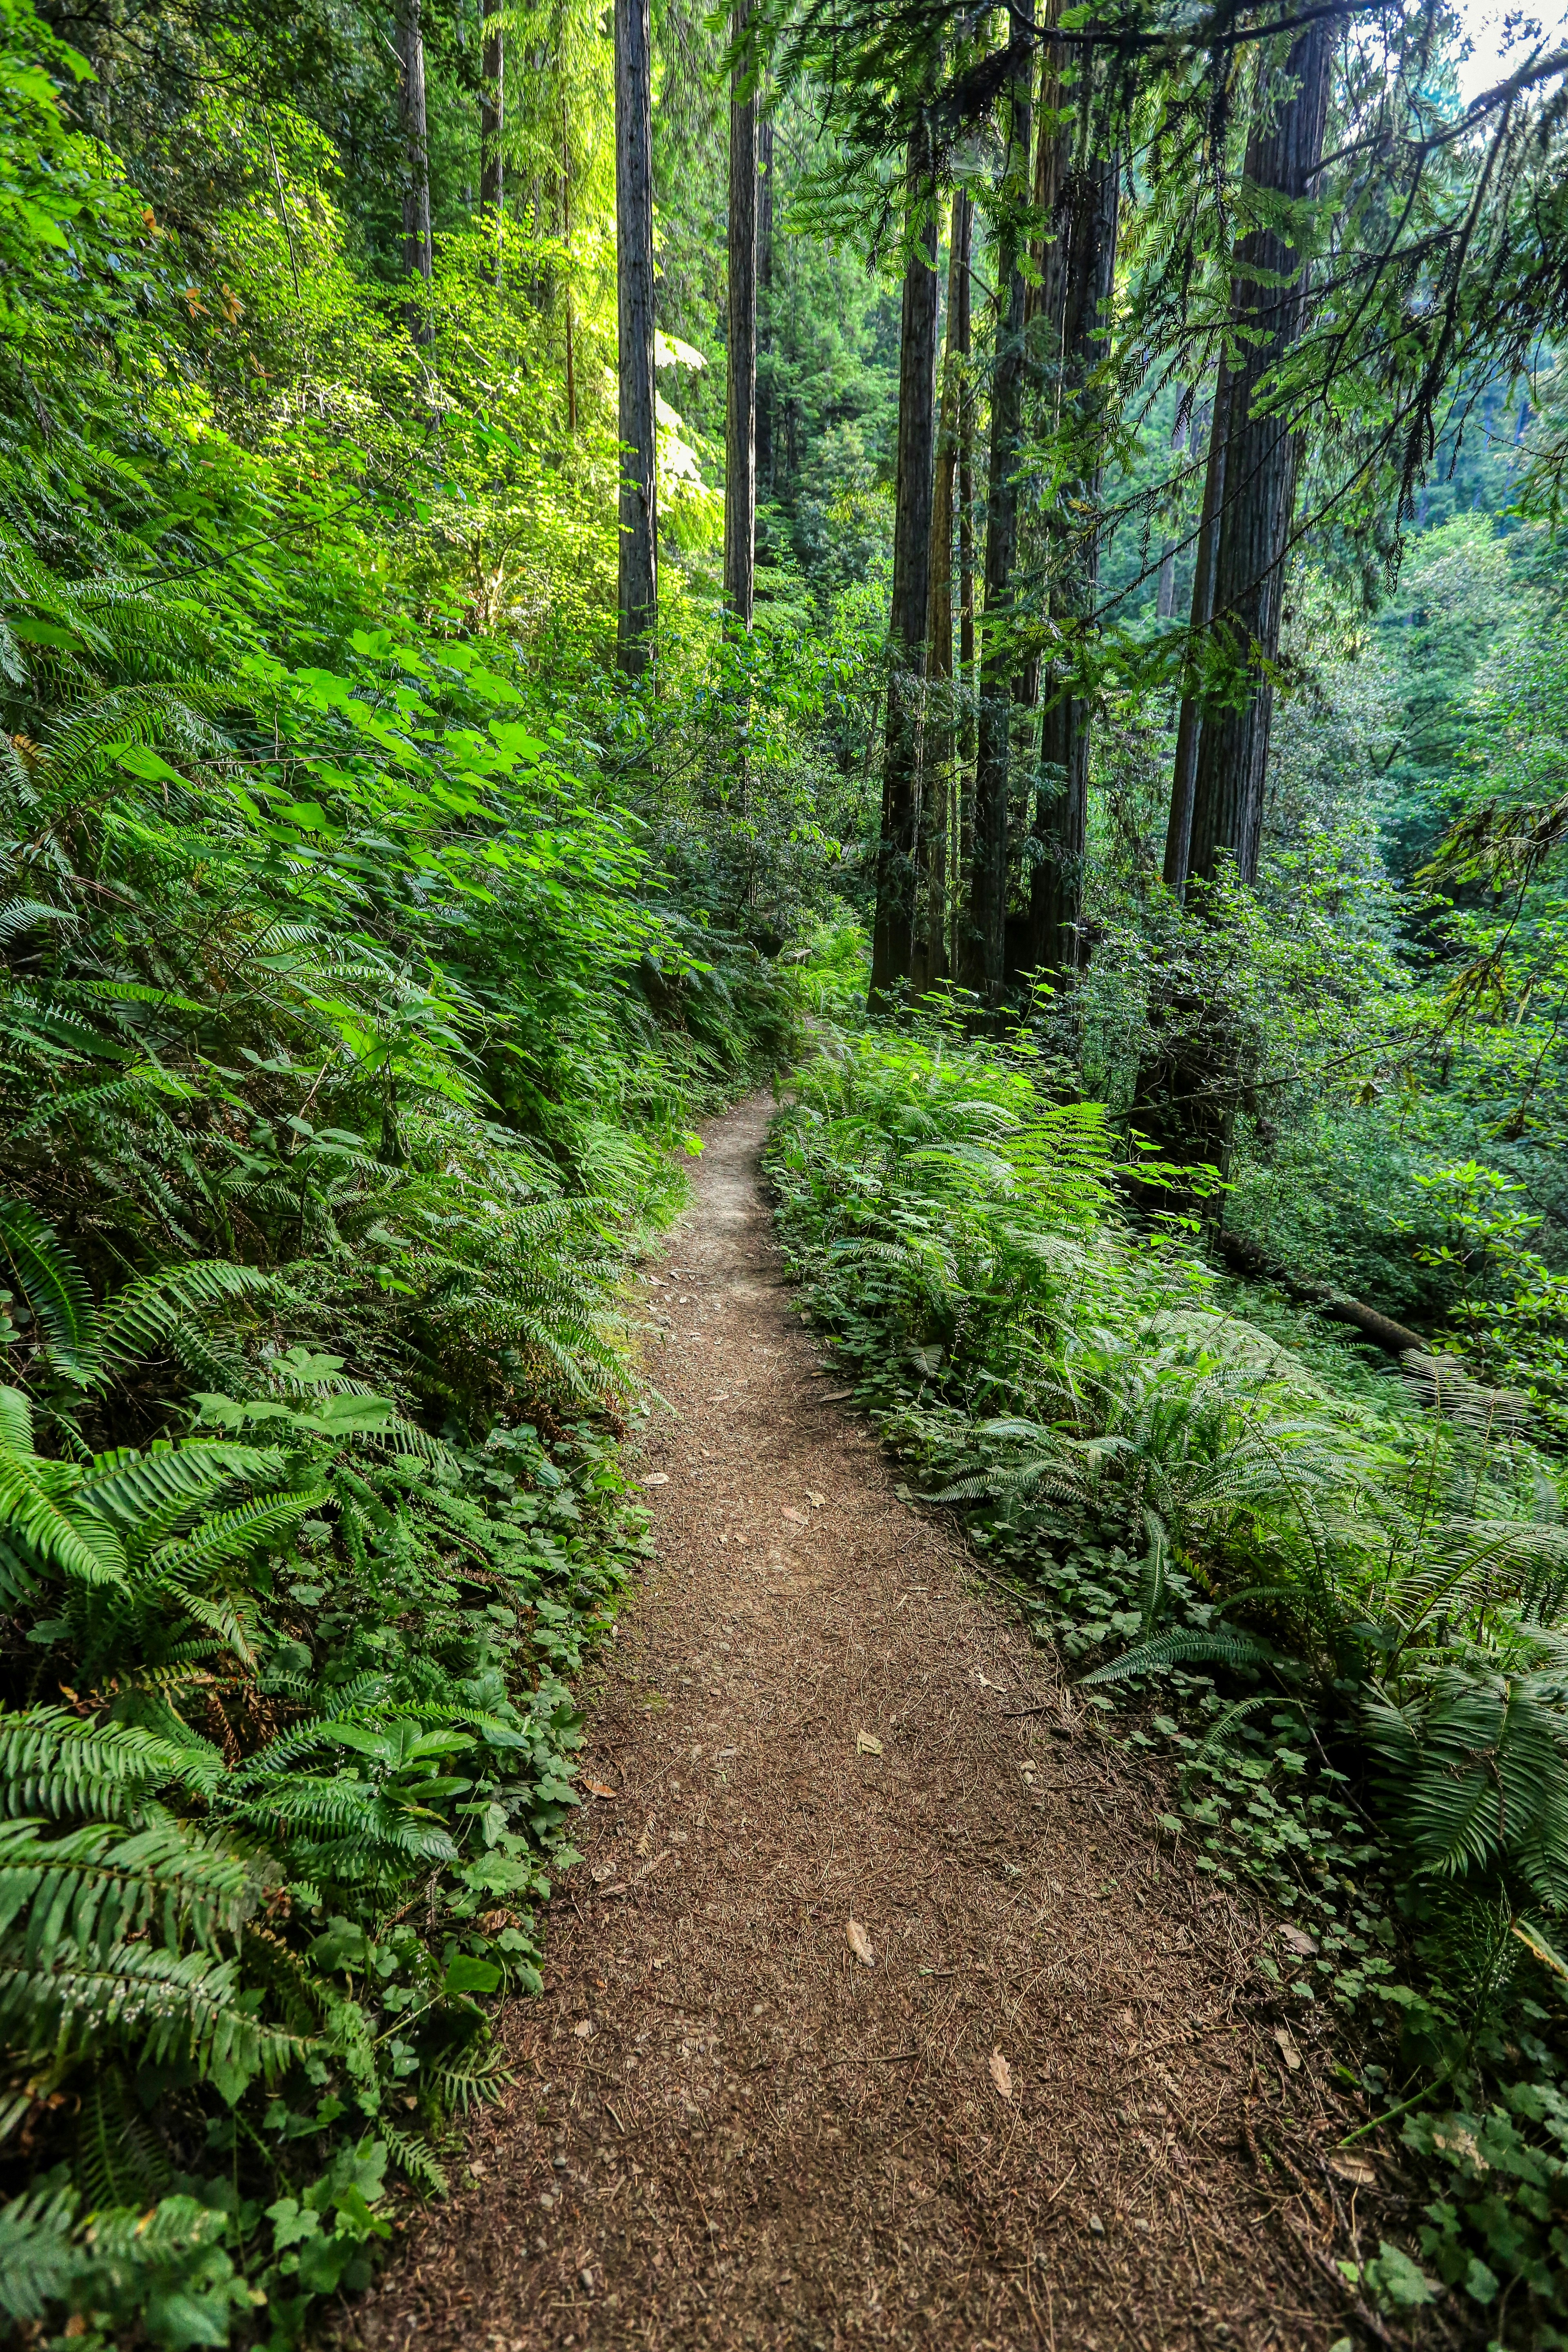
(1268, 305)
(967, 680)
(942, 735)
(1165, 592)
(637, 600)
(985, 941)
(1188, 1089)
(1179, 831)
(1080, 283)
(892, 939)
(411, 122)
(740, 409)
(764, 293)
(566, 244)
(492, 119)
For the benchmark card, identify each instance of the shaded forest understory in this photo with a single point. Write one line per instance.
(557, 563)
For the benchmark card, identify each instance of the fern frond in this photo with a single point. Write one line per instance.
(52, 1762)
(40, 1507)
(54, 1287)
(153, 1315)
(148, 1492)
(118, 2158)
(474, 2076)
(1220, 1647)
(347, 1810)
(40, 2253)
(157, 2004)
(415, 2159)
(98, 1887)
(235, 1534)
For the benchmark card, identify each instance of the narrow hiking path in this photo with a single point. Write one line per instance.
(1027, 2122)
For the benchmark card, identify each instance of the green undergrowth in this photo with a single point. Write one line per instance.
(352, 1028)
(349, 1046)
(265, 1911)
(1330, 1613)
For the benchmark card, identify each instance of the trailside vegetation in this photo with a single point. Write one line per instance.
(354, 1021)
(538, 546)
(1328, 1610)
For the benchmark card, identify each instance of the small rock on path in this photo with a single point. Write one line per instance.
(1021, 2123)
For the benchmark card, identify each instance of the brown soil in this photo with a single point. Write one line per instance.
(1045, 2115)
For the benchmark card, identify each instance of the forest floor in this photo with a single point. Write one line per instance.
(1034, 2108)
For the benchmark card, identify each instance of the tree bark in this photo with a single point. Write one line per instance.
(415, 130)
(764, 293)
(638, 599)
(492, 119)
(566, 243)
(967, 681)
(1244, 1258)
(892, 938)
(1267, 306)
(985, 941)
(1165, 592)
(1179, 830)
(740, 408)
(942, 731)
(1087, 211)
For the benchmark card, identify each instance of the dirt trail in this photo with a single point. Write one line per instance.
(727, 2129)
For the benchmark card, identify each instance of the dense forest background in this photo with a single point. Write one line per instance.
(1146, 674)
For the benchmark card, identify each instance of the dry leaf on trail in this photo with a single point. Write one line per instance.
(657, 1478)
(1355, 2168)
(1001, 2075)
(867, 1744)
(720, 1396)
(796, 1518)
(598, 1788)
(815, 1499)
(644, 1843)
(860, 1943)
(838, 1396)
(1287, 2048)
(583, 2027)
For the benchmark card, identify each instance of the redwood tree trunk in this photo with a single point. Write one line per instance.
(638, 601)
(492, 119)
(892, 939)
(985, 939)
(942, 731)
(764, 294)
(1267, 304)
(958, 919)
(411, 121)
(740, 411)
(1165, 592)
(1087, 208)
(1179, 831)
(1188, 1091)
(566, 242)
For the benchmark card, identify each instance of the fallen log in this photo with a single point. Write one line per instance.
(1244, 1258)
